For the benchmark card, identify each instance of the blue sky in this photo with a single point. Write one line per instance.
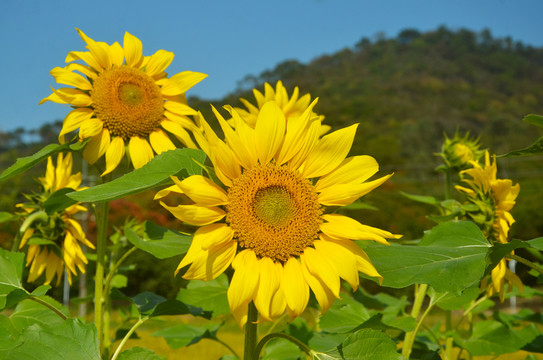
(227, 39)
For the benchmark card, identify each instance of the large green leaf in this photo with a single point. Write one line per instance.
(281, 349)
(365, 344)
(534, 119)
(160, 242)
(343, 316)
(494, 338)
(180, 162)
(11, 271)
(209, 295)
(58, 201)
(139, 353)
(67, 341)
(25, 163)
(29, 312)
(185, 334)
(450, 257)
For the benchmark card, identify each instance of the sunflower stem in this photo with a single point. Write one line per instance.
(249, 352)
(101, 244)
(46, 304)
(417, 304)
(292, 339)
(526, 262)
(127, 336)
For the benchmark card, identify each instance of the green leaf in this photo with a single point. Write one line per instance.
(28, 313)
(366, 344)
(139, 353)
(25, 163)
(535, 148)
(430, 200)
(209, 295)
(185, 334)
(450, 257)
(534, 119)
(160, 242)
(11, 271)
(536, 243)
(71, 339)
(451, 301)
(281, 349)
(343, 316)
(156, 172)
(119, 281)
(492, 338)
(41, 290)
(58, 201)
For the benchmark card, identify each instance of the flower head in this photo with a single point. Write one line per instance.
(460, 151)
(291, 107)
(493, 198)
(268, 219)
(54, 239)
(121, 97)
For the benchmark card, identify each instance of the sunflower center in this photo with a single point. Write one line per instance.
(128, 102)
(274, 211)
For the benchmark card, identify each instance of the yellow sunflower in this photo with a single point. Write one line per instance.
(268, 218)
(121, 97)
(291, 107)
(54, 239)
(495, 198)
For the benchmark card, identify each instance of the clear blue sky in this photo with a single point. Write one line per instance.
(226, 39)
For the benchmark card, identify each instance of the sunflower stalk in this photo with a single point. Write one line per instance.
(249, 352)
(526, 262)
(417, 305)
(140, 321)
(102, 211)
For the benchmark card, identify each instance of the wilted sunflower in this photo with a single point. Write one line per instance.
(278, 177)
(494, 198)
(291, 107)
(54, 239)
(124, 98)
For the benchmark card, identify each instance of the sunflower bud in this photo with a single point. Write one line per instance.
(459, 151)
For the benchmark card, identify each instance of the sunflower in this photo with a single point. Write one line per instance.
(54, 239)
(291, 107)
(121, 97)
(268, 219)
(494, 199)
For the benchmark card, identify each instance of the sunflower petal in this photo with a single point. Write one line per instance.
(181, 82)
(114, 154)
(269, 131)
(295, 288)
(196, 214)
(245, 280)
(342, 260)
(356, 169)
(203, 191)
(158, 62)
(342, 227)
(97, 146)
(90, 127)
(330, 151)
(318, 265)
(212, 262)
(179, 132)
(323, 294)
(133, 50)
(66, 77)
(74, 119)
(140, 151)
(345, 194)
(267, 286)
(160, 141)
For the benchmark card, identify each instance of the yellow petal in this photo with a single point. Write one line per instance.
(133, 50)
(345, 194)
(86, 57)
(96, 147)
(269, 131)
(90, 127)
(97, 50)
(343, 227)
(116, 54)
(27, 235)
(74, 119)
(114, 154)
(165, 192)
(323, 294)
(318, 265)
(203, 191)
(179, 108)
(278, 301)
(213, 263)
(309, 140)
(160, 141)
(179, 132)
(71, 96)
(242, 141)
(225, 160)
(182, 120)
(181, 82)
(66, 77)
(356, 169)
(267, 286)
(158, 62)
(244, 282)
(140, 151)
(196, 214)
(342, 260)
(214, 234)
(363, 262)
(295, 288)
(330, 151)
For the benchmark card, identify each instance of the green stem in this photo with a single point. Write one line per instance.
(417, 304)
(467, 312)
(526, 262)
(449, 340)
(57, 311)
(448, 184)
(292, 339)
(101, 244)
(249, 352)
(127, 336)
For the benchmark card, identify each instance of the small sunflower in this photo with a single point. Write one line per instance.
(460, 151)
(121, 97)
(291, 107)
(54, 239)
(494, 198)
(270, 222)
